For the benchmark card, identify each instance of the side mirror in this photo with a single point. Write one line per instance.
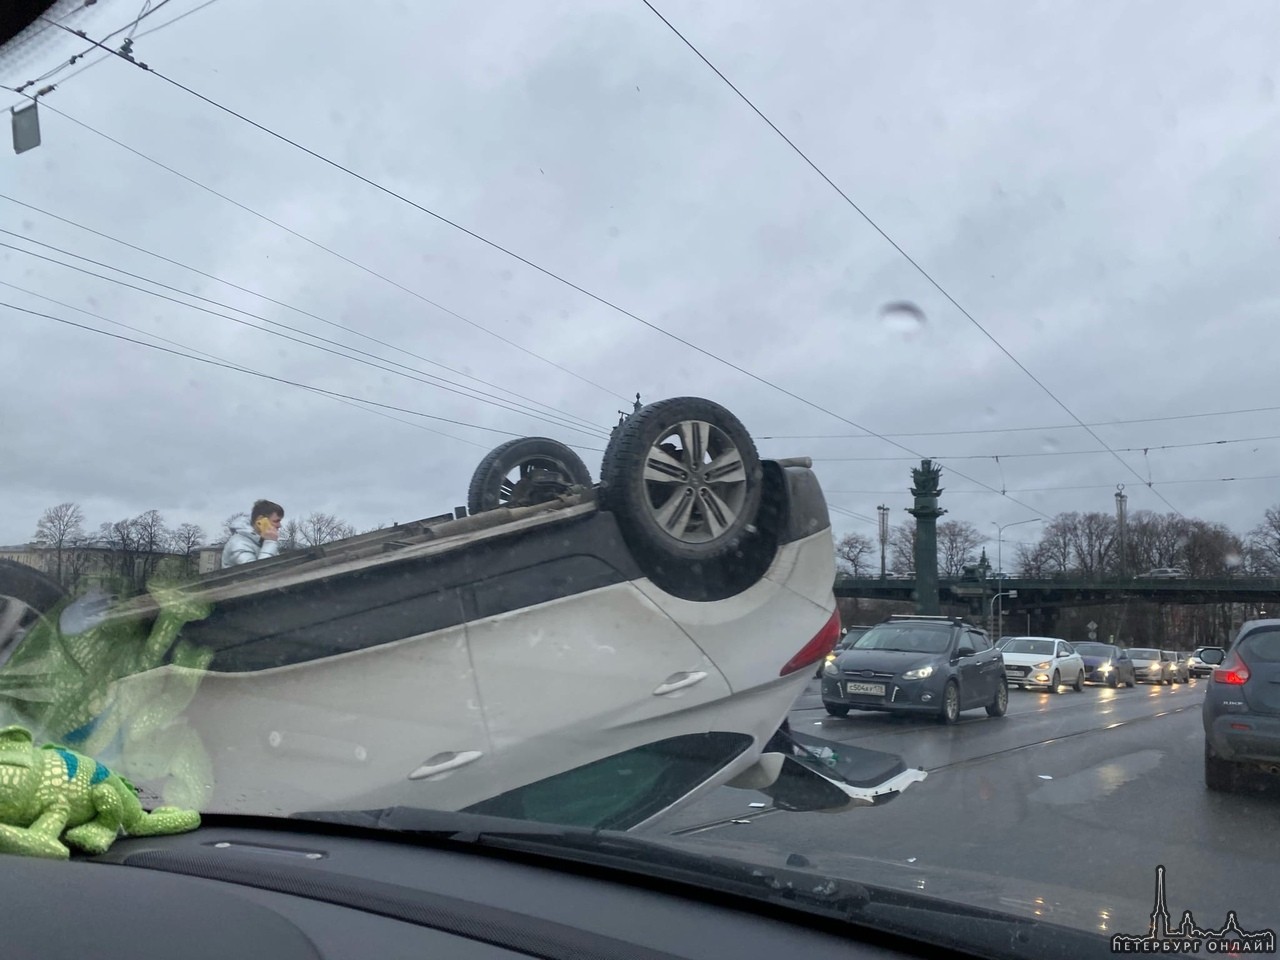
(1061, 654)
(965, 651)
(1213, 657)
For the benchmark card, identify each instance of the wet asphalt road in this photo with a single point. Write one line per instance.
(1085, 791)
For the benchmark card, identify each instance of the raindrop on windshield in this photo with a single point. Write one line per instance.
(902, 317)
(1233, 560)
(1051, 445)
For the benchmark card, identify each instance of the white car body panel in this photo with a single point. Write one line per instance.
(504, 701)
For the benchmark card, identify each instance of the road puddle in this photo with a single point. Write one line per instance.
(1094, 783)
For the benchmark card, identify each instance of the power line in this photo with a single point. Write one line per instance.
(849, 513)
(1064, 488)
(106, 56)
(242, 367)
(265, 376)
(279, 303)
(442, 385)
(919, 269)
(1059, 453)
(359, 266)
(440, 382)
(1040, 429)
(496, 246)
(143, 14)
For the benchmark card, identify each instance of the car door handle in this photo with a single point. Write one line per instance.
(445, 762)
(678, 681)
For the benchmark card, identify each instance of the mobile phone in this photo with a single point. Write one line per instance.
(262, 525)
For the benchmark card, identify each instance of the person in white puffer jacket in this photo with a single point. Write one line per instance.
(258, 541)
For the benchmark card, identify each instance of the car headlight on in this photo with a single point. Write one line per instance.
(919, 673)
(1105, 668)
(1044, 665)
(830, 669)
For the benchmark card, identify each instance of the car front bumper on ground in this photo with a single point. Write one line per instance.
(1245, 738)
(1101, 674)
(1150, 675)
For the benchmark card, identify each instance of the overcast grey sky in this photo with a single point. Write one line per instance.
(1095, 183)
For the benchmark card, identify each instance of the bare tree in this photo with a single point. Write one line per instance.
(1264, 543)
(320, 528)
(1055, 549)
(1093, 537)
(58, 529)
(121, 538)
(186, 539)
(957, 542)
(153, 539)
(290, 536)
(853, 554)
(902, 547)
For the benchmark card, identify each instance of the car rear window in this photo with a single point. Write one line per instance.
(1263, 644)
(911, 637)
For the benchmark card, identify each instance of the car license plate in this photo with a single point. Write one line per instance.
(864, 689)
(1019, 671)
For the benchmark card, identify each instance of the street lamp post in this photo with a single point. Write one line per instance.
(884, 534)
(1000, 528)
(1000, 594)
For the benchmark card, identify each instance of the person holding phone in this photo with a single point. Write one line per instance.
(258, 541)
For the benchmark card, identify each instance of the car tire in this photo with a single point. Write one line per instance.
(1114, 682)
(687, 526)
(1056, 683)
(1078, 686)
(949, 712)
(1131, 682)
(999, 706)
(547, 468)
(1219, 774)
(836, 711)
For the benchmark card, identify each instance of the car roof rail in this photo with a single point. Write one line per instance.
(958, 621)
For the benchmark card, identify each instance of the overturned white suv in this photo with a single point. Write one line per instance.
(572, 652)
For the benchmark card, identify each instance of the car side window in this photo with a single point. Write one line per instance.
(976, 640)
(1068, 649)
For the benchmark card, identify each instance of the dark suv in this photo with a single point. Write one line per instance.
(1242, 705)
(915, 664)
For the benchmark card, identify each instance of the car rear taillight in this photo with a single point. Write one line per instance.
(1234, 671)
(822, 643)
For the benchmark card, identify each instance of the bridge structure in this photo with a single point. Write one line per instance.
(1044, 598)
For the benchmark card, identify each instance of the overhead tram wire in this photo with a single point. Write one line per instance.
(1061, 453)
(596, 432)
(906, 256)
(280, 303)
(535, 266)
(49, 24)
(343, 257)
(106, 56)
(1066, 487)
(439, 382)
(1039, 429)
(268, 376)
(182, 346)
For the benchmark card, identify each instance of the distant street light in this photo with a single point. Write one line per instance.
(1000, 528)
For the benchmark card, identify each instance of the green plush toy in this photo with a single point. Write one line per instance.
(49, 795)
(66, 684)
